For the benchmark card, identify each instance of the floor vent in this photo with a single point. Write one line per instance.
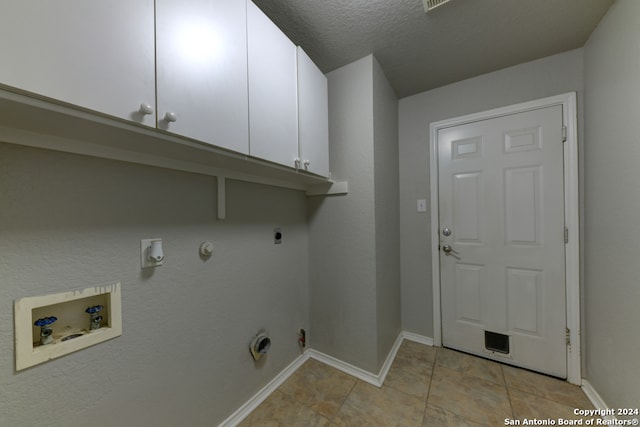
(429, 5)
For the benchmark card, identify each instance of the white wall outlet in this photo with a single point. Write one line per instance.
(151, 253)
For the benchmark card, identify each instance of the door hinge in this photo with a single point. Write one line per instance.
(568, 336)
(566, 235)
(564, 134)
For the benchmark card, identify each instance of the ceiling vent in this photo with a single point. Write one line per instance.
(429, 5)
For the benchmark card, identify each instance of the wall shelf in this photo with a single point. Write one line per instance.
(31, 120)
(333, 188)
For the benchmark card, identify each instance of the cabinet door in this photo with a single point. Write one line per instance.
(313, 116)
(273, 109)
(202, 70)
(95, 54)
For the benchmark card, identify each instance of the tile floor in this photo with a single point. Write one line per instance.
(426, 386)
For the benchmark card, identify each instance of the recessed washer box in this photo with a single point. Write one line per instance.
(71, 330)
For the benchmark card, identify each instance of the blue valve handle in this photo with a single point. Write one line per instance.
(45, 321)
(93, 310)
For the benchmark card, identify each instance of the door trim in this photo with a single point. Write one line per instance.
(571, 213)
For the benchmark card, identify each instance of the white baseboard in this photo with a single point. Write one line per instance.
(417, 338)
(382, 375)
(366, 376)
(596, 400)
(345, 367)
(244, 411)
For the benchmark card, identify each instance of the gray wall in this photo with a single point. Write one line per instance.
(612, 205)
(69, 222)
(342, 228)
(354, 277)
(533, 80)
(387, 209)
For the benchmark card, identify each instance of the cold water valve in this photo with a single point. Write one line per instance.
(46, 333)
(96, 318)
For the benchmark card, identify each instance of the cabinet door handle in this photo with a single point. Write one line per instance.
(306, 164)
(170, 117)
(145, 109)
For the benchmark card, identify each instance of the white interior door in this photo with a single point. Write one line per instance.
(502, 265)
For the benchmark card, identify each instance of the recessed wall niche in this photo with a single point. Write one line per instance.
(50, 326)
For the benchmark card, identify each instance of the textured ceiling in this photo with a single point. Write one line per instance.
(419, 51)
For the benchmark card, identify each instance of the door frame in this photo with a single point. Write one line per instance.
(571, 213)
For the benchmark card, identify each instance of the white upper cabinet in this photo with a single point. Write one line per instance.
(313, 116)
(95, 54)
(215, 71)
(273, 109)
(202, 71)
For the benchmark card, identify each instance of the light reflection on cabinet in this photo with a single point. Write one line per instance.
(202, 71)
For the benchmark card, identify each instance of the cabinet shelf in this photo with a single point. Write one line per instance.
(32, 120)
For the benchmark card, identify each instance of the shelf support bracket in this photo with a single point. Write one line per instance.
(222, 197)
(333, 189)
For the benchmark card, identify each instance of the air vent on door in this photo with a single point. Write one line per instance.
(429, 5)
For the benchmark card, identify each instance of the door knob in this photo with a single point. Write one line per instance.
(448, 250)
(446, 232)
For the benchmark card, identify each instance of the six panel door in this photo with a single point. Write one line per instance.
(503, 268)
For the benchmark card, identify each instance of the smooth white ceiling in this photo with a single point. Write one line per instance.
(419, 51)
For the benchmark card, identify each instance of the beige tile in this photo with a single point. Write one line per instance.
(550, 388)
(438, 417)
(369, 406)
(411, 369)
(463, 391)
(469, 396)
(318, 386)
(470, 365)
(279, 410)
(530, 406)
(416, 351)
(412, 380)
